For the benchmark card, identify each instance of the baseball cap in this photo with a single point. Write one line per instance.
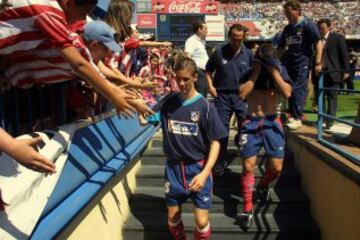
(156, 52)
(101, 32)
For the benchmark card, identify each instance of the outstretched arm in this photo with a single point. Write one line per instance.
(22, 151)
(155, 44)
(88, 73)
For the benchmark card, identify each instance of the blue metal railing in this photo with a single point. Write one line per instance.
(322, 116)
(21, 109)
(99, 151)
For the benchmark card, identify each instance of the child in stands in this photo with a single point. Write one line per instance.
(153, 73)
(191, 129)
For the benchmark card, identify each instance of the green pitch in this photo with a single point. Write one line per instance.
(347, 106)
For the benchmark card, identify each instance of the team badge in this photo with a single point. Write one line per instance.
(299, 30)
(162, 17)
(195, 116)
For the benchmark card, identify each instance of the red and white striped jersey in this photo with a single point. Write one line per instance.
(28, 23)
(130, 47)
(44, 65)
(114, 60)
(145, 71)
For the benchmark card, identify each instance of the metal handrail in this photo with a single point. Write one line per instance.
(322, 115)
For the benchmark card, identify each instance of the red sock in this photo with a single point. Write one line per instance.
(247, 186)
(177, 230)
(202, 234)
(2, 204)
(267, 178)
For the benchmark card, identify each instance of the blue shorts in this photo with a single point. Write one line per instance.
(264, 132)
(177, 178)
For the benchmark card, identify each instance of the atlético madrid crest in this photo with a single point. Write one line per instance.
(195, 116)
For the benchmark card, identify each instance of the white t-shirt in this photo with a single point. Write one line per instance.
(196, 48)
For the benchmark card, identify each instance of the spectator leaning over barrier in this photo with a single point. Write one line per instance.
(120, 63)
(335, 57)
(263, 127)
(296, 45)
(99, 39)
(22, 151)
(195, 47)
(131, 47)
(192, 130)
(49, 26)
(232, 66)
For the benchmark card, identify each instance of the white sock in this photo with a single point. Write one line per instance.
(171, 224)
(205, 229)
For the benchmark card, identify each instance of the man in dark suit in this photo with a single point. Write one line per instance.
(352, 63)
(335, 56)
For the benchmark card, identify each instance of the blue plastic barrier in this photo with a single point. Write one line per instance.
(97, 153)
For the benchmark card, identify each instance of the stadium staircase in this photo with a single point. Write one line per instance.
(285, 216)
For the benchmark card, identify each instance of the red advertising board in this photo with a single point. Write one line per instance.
(146, 20)
(185, 6)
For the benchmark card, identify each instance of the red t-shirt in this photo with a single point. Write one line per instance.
(26, 24)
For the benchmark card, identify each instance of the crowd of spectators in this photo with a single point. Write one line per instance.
(345, 16)
(48, 92)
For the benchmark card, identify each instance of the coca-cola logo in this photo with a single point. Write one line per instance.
(146, 22)
(185, 7)
(210, 7)
(159, 6)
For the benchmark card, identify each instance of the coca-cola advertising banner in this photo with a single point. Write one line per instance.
(185, 6)
(146, 20)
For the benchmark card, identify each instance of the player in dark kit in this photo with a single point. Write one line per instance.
(297, 44)
(192, 130)
(227, 68)
(262, 128)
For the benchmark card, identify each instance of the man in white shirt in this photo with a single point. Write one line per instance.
(195, 48)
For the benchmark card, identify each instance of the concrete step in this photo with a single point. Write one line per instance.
(152, 175)
(158, 143)
(154, 226)
(158, 158)
(286, 216)
(158, 152)
(163, 235)
(280, 202)
(231, 171)
(158, 135)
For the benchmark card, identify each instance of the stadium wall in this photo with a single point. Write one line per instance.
(332, 185)
(104, 216)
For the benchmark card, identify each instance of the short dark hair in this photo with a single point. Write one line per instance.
(324, 20)
(294, 4)
(198, 24)
(187, 63)
(237, 27)
(85, 2)
(266, 50)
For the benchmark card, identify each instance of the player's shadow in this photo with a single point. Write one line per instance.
(151, 213)
(226, 189)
